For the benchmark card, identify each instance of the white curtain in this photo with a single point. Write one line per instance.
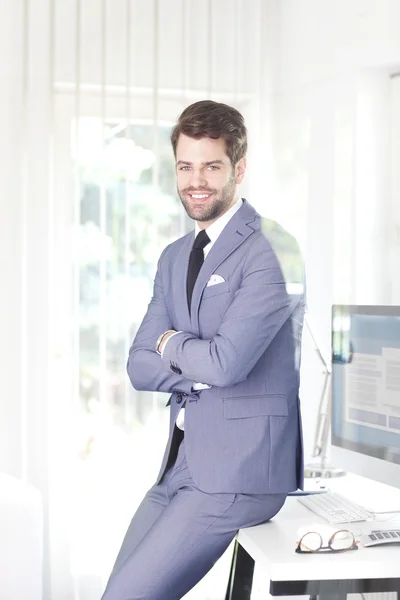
(89, 92)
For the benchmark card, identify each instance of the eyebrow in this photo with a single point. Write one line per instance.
(206, 164)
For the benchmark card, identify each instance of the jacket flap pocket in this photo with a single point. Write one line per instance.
(214, 290)
(255, 406)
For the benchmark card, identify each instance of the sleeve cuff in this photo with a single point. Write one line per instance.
(200, 386)
(165, 345)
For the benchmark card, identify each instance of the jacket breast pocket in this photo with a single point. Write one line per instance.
(255, 406)
(215, 290)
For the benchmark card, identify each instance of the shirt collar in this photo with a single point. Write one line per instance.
(216, 228)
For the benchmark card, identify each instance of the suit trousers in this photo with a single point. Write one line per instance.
(178, 533)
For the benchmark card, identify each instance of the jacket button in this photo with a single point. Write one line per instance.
(179, 398)
(174, 368)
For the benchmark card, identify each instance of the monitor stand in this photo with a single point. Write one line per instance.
(322, 471)
(317, 477)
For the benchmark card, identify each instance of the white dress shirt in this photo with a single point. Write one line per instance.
(213, 232)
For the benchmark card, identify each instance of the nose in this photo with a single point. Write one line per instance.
(198, 179)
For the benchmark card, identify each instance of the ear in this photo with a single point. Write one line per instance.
(240, 169)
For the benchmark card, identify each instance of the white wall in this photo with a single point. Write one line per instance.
(10, 242)
(394, 235)
(331, 97)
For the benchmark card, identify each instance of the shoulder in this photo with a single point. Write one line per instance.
(286, 249)
(171, 251)
(273, 245)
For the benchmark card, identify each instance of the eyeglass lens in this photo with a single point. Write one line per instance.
(340, 540)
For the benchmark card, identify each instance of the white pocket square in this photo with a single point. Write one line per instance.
(214, 279)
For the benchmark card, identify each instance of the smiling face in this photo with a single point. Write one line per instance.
(206, 180)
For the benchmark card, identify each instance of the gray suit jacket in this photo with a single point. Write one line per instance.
(243, 435)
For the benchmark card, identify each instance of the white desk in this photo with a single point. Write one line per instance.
(272, 545)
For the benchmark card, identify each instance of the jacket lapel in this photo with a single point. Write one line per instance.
(179, 277)
(237, 230)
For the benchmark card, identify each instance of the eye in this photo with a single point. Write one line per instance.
(184, 168)
(213, 167)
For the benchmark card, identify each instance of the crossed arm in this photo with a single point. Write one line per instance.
(145, 368)
(259, 309)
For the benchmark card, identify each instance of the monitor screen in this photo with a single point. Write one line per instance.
(366, 387)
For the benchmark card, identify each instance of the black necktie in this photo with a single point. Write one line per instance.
(196, 259)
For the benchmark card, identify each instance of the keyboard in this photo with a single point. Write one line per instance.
(335, 508)
(381, 536)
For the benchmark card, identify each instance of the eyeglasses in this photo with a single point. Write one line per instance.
(340, 541)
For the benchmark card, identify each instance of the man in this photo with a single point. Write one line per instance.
(222, 335)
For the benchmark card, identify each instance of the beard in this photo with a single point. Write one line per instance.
(213, 208)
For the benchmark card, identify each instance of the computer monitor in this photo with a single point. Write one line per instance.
(365, 418)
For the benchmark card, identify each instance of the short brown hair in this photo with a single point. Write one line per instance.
(213, 120)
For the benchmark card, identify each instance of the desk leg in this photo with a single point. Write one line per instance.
(332, 590)
(241, 575)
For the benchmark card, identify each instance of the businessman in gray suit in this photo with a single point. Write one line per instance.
(222, 335)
